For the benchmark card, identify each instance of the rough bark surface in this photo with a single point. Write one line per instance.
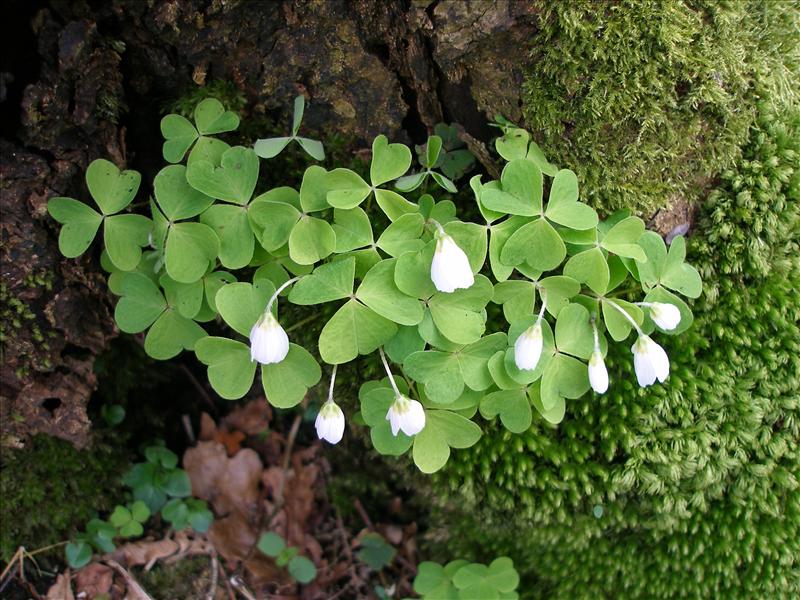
(82, 80)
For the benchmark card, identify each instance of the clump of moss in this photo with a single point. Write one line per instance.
(647, 99)
(187, 578)
(49, 489)
(697, 481)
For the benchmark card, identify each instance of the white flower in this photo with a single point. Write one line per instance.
(330, 422)
(528, 347)
(598, 374)
(268, 341)
(649, 361)
(406, 415)
(450, 268)
(666, 316)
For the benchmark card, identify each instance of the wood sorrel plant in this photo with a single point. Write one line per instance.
(413, 294)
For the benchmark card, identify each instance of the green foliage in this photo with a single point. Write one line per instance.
(689, 489)
(299, 567)
(156, 485)
(460, 579)
(645, 99)
(50, 486)
(207, 216)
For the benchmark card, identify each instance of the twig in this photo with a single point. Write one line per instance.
(363, 514)
(129, 580)
(213, 587)
(237, 583)
(200, 389)
(187, 425)
(231, 593)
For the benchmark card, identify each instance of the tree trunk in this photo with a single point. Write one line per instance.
(79, 83)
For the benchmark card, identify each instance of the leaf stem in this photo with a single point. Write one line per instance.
(438, 226)
(278, 291)
(626, 315)
(389, 373)
(333, 379)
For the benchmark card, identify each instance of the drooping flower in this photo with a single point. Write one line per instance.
(406, 415)
(528, 347)
(268, 341)
(450, 269)
(650, 361)
(330, 422)
(665, 315)
(598, 374)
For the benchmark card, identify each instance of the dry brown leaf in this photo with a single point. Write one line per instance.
(94, 579)
(229, 484)
(232, 440)
(207, 427)
(135, 554)
(233, 536)
(204, 463)
(252, 418)
(263, 571)
(61, 589)
(237, 485)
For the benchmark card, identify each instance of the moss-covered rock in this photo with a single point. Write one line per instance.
(646, 100)
(49, 489)
(691, 488)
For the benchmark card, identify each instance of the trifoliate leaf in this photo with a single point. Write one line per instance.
(520, 193)
(314, 189)
(403, 235)
(286, 383)
(272, 221)
(512, 406)
(393, 204)
(353, 330)
(232, 226)
(537, 244)
(140, 305)
(621, 239)
(233, 181)
(352, 228)
(589, 267)
(563, 206)
(619, 326)
(311, 240)
(679, 276)
(345, 188)
(124, 236)
(170, 334)
(190, 251)
(80, 225)
(380, 293)
(389, 161)
(179, 135)
(208, 149)
(574, 333)
(241, 304)
(211, 117)
(176, 198)
(111, 189)
(230, 368)
(328, 282)
(412, 273)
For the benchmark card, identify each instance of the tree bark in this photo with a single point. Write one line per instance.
(79, 83)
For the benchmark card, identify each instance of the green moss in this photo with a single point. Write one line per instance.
(50, 489)
(699, 478)
(187, 578)
(647, 99)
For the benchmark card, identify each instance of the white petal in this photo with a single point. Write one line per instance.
(598, 374)
(666, 316)
(268, 341)
(394, 419)
(660, 361)
(450, 268)
(330, 423)
(414, 419)
(528, 347)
